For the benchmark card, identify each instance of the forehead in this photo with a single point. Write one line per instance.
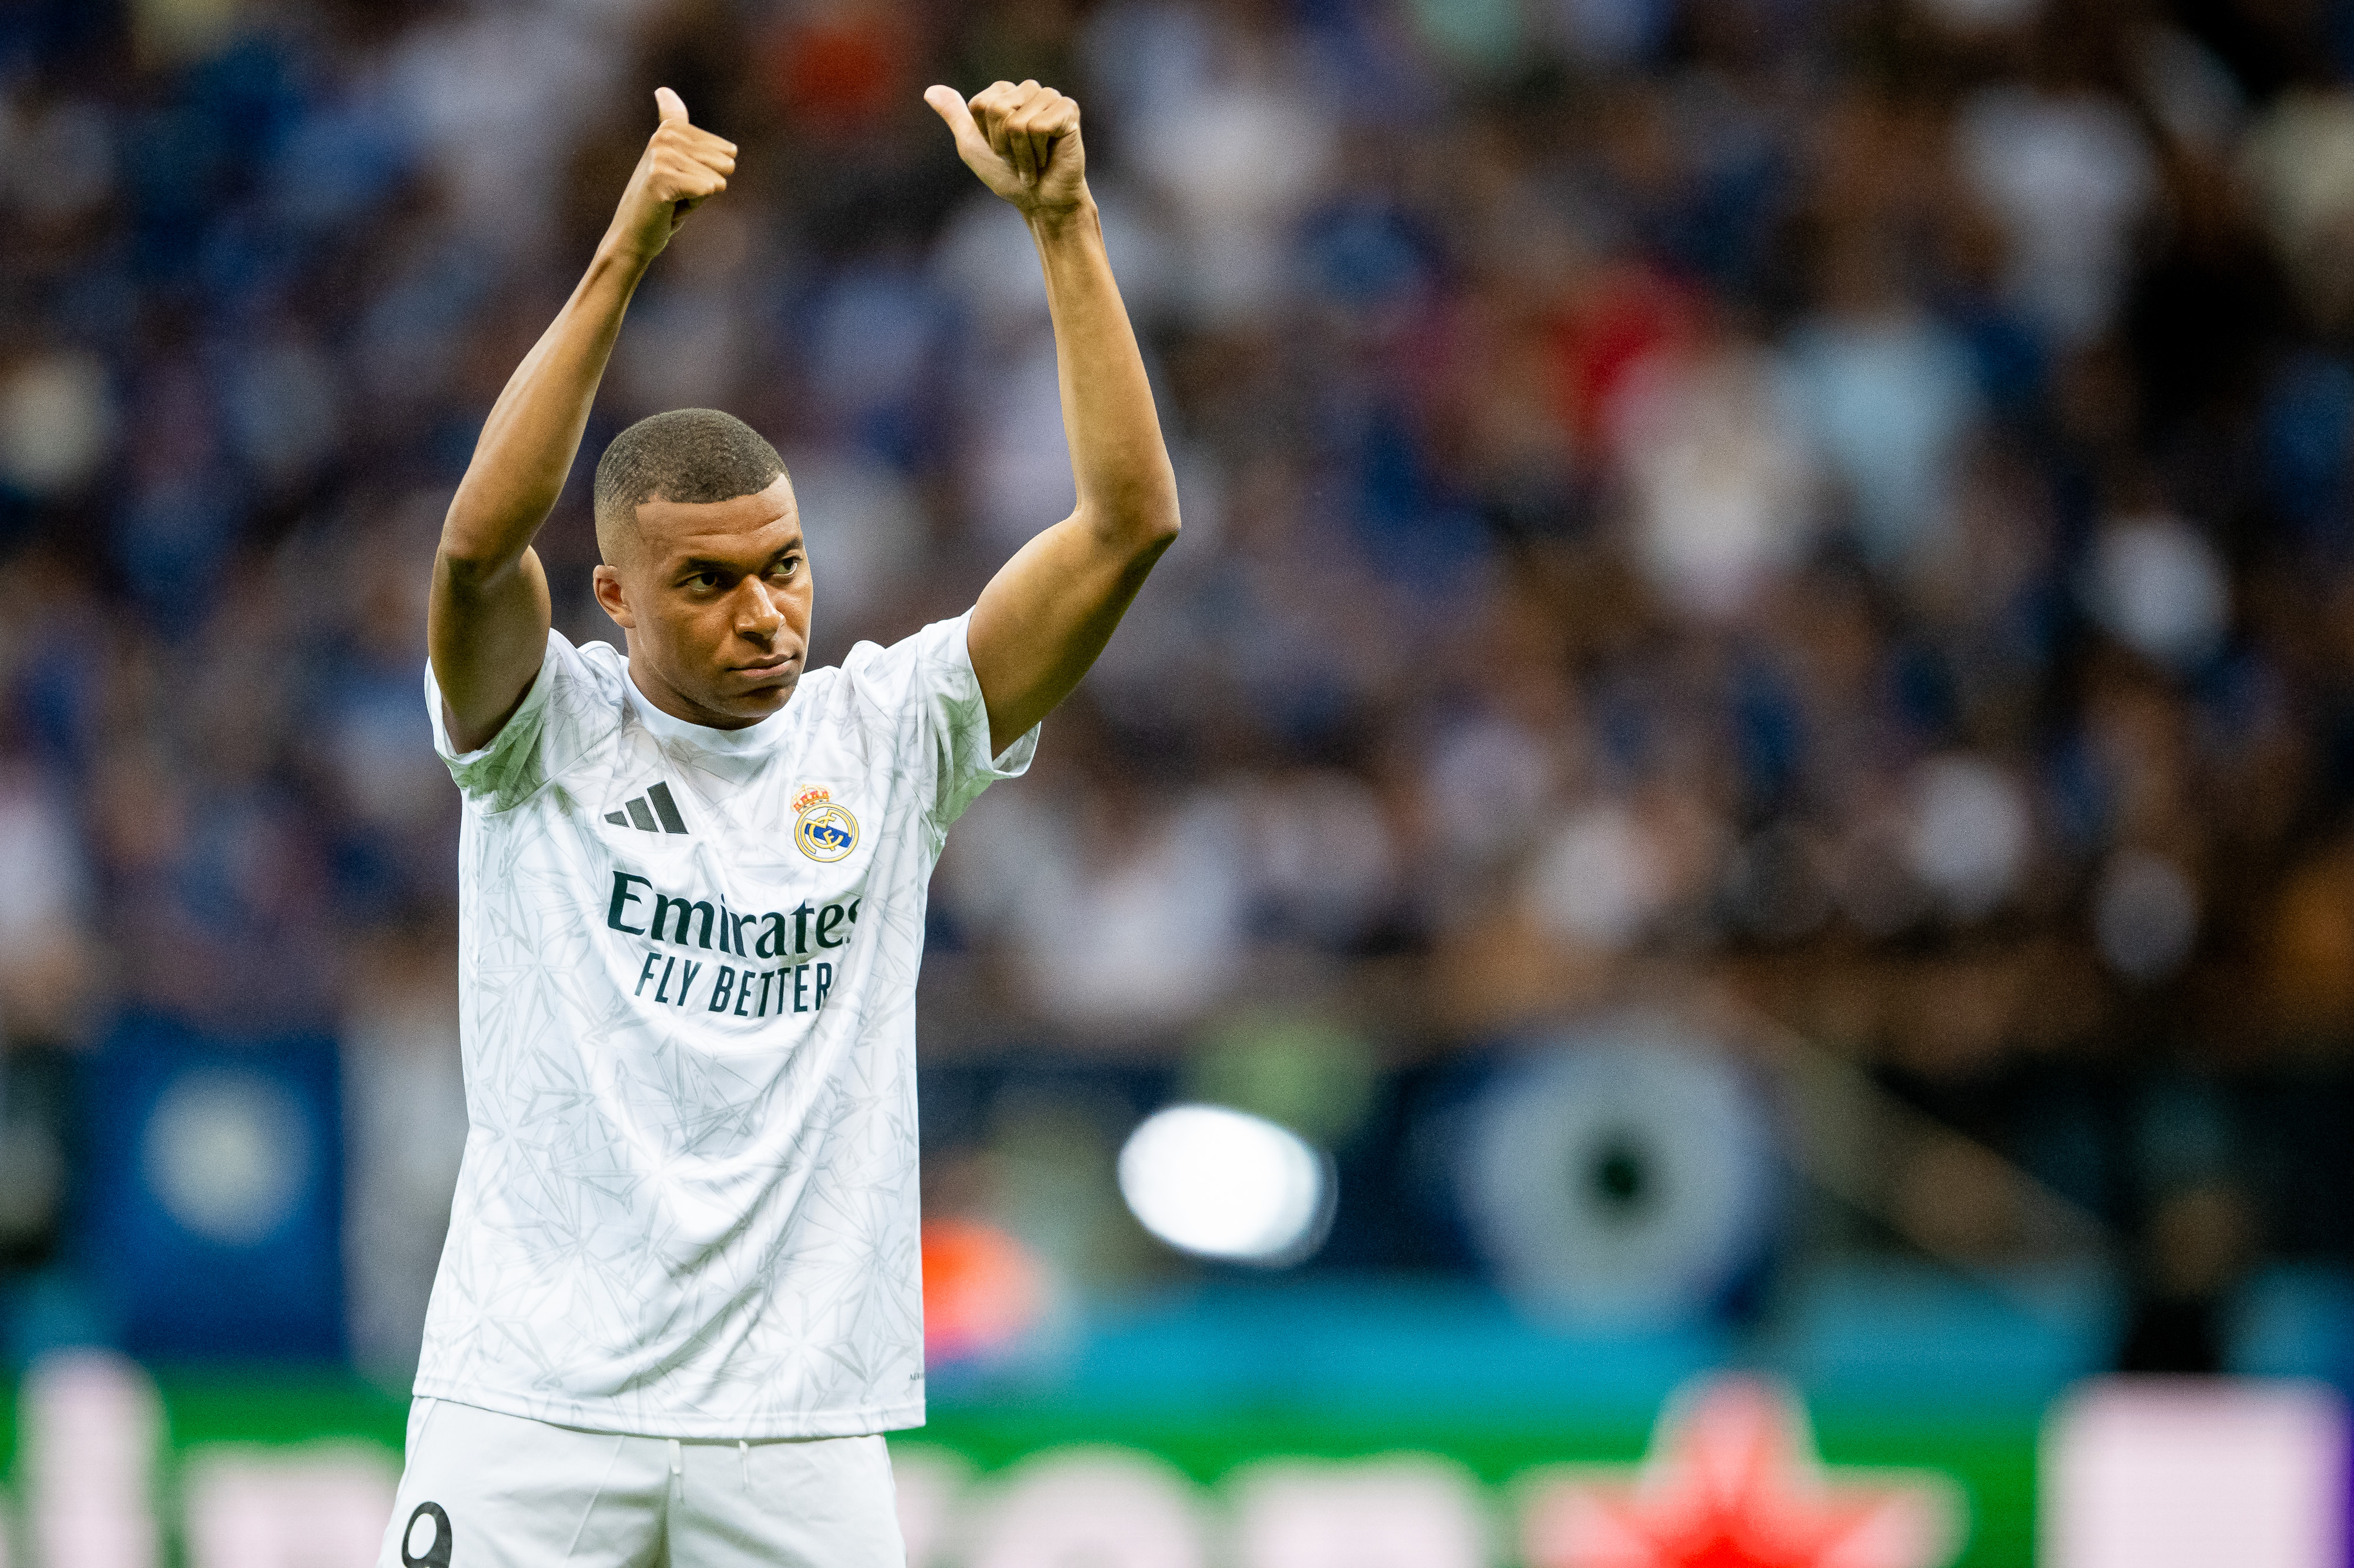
(750, 526)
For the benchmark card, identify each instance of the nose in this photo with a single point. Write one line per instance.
(759, 619)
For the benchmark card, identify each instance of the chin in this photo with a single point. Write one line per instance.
(762, 700)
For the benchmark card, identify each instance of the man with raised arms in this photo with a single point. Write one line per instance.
(681, 1299)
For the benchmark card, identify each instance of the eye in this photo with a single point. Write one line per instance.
(786, 567)
(705, 580)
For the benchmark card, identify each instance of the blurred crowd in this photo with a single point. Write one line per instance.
(1836, 509)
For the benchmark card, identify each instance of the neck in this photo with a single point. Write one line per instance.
(672, 700)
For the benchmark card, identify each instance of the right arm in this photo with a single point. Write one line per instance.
(486, 623)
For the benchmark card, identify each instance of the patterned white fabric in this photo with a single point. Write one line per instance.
(687, 975)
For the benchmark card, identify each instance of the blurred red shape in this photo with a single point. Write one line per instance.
(1613, 321)
(842, 70)
(982, 1290)
(1733, 1482)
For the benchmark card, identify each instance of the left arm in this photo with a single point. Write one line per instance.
(1047, 613)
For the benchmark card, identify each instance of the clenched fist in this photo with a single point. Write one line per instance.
(1023, 142)
(682, 167)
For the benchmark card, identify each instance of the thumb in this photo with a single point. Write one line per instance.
(671, 105)
(949, 105)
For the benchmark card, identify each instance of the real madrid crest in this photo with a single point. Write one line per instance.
(824, 831)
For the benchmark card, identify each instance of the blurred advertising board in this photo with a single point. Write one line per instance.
(111, 1469)
(1424, 1430)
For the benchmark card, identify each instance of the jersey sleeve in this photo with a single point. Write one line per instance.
(924, 688)
(553, 728)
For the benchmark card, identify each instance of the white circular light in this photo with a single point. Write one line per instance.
(229, 1154)
(1226, 1184)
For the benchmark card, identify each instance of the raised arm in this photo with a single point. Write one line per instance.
(486, 626)
(1049, 612)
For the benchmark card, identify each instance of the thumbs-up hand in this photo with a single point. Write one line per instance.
(682, 166)
(1023, 141)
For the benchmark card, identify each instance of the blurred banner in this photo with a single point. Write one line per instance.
(215, 1212)
(1725, 1472)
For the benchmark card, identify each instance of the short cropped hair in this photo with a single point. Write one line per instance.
(691, 455)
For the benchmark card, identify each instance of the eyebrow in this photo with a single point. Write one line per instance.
(694, 564)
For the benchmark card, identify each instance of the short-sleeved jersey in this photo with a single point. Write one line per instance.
(687, 982)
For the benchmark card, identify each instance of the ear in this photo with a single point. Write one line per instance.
(616, 603)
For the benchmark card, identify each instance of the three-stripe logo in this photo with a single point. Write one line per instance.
(645, 811)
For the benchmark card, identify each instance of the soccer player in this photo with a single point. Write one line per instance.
(680, 1300)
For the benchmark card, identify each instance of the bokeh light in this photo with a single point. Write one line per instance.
(1226, 1184)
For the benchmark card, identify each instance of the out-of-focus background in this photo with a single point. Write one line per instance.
(1735, 817)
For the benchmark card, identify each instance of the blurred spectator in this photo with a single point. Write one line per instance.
(1723, 486)
(2070, 177)
(1889, 396)
(1850, 514)
(47, 963)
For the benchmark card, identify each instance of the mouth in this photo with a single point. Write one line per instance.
(775, 666)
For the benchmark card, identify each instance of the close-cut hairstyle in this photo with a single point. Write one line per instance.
(688, 455)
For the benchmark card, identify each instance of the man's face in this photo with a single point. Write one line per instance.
(715, 600)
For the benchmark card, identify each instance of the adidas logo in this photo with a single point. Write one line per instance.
(644, 811)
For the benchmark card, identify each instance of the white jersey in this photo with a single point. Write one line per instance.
(687, 983)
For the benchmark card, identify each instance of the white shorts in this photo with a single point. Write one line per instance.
(486, 1491)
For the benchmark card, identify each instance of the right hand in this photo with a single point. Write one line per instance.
(682, 168)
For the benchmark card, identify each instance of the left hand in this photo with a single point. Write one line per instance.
(1023, 142)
